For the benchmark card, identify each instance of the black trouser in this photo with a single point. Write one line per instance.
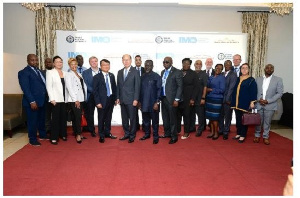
(59, 121)
(104, 118)
(76, 117)
(128, 113)
(225, 116)
(241, 129)
(169, 116)
(200, 111)
(48, 116)
(147, 117)
(90, 113)
(186, 111)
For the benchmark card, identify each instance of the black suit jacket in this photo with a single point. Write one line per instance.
(142, 70)
(173, 85)
(100, 91)
(191, 86)
(128, 90)
(230, 83)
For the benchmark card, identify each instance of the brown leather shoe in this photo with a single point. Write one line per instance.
(266, 141)
(256, 140)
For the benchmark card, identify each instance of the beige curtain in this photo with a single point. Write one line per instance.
(47, 21)
(256, 25)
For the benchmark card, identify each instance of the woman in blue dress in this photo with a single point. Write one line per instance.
(215, 93)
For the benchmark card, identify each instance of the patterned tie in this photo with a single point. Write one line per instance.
(164, 82)
(207, 72)
(107, 86)
(39, 74)
(125, 76)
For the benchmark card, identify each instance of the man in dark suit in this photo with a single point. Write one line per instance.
(141, 70)
(209, 70)
(189, 92)
(149, 101)
(237, 64)
(32, 83)
(226, 111)
(88, 79)
(105, 92)
(171, 94)
(48, 105)
(128, 93)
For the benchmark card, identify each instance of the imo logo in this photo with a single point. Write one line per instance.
(70, 39)
(187, 40)
(159, 39)
(221, 56)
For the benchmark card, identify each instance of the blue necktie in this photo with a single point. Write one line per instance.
(125, 74)
(107, 86)
(80, 69)
(39, 74)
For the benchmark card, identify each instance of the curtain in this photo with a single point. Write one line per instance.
(256, 25)
(47, 21)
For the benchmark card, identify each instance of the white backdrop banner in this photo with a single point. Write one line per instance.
(112, 45)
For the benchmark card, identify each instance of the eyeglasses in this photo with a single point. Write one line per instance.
(167, 62)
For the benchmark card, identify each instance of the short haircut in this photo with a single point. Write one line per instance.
(246, 64)
(228, 61)
(219, 65)
(137, 56)
(269, 65)
(56, 57)
(104, 60)
(71, 60)
(92, 57)
(187, 59)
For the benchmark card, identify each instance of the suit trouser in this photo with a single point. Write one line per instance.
(241, 129)
(59, 121)
(104, 118)
(48, 106)
(266, 118)
(147, 117)
(90, 113)
(169, 116)
(35, 121)
(200, 111)
(76, 118)
(128, 113)
(226, 115)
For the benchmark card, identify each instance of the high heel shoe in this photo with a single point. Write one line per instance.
(241, 141)
(236, 137)
(78, 141)
(215, 138)
(210, 136)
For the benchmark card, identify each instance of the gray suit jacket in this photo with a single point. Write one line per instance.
(128, 90)
(274, 92)
(230, 83)
(173, 85)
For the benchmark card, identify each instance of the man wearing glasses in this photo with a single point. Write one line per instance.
(170, 96)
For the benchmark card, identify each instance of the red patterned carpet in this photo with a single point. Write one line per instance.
(196, 166)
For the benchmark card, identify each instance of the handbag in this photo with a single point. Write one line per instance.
(83, 120)
(251, 119)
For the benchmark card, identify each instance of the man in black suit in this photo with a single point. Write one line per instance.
(209, 70)
(105, 92)
(48, 66)
(128, 93)
(189, 93)
(170, 97)
(141, 70)
(226, 111)
(237, 64)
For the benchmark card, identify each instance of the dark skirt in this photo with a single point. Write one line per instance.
(213, 108)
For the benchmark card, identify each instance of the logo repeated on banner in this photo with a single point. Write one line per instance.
(70, 39)
(159, 39)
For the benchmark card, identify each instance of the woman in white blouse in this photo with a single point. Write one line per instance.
(76, 95)
(55, 84)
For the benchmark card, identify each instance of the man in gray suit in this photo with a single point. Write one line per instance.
(226, 111)
(170, 96)
(128, 93)
(269, 90)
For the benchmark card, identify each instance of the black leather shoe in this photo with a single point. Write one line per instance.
(130, 140)
(155, 141)
(111, 136)
(83, 138)
(79, 141)
(225, 137)
(241, 141)
(173, 141)
(144, 137)
(54, 142)
(164, 136)
(215, 138)
(101, 140)
(124, 138)
(198, 133)
(93, 134)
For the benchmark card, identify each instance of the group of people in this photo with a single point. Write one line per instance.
(210, 94)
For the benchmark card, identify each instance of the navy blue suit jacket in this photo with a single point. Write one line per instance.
(33, 87)
(100, 91)
(88, 79)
